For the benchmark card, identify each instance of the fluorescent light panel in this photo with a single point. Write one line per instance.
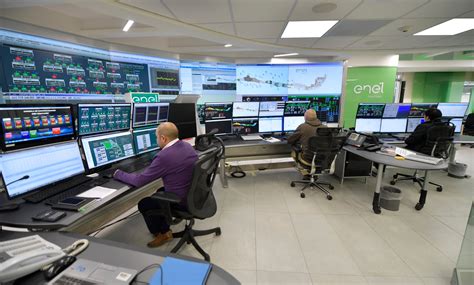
(227, 45)
(128, 25)
(285, 54)
(449, 28)
(307, 29)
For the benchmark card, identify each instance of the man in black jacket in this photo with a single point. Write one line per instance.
(417, 140)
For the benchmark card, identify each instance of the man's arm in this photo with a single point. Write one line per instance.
(155, 171)
(417, 137)
(295, 137)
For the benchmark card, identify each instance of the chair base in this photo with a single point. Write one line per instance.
(415, 178)
(188, 236)
(311, 184)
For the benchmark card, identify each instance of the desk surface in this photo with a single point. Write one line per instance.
(457, 139)
(236, 141)
(390, 160)
(117, 254)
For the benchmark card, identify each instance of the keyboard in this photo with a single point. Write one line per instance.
(75, 191)
(56, 189)
(68, 280)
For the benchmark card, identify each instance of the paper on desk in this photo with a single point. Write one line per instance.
(97, 192)
(272, 140)
(403, 152)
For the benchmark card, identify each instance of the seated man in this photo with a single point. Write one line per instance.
(417, 140)
(304, 132)
(174, 164)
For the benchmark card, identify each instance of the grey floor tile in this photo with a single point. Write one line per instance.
(245, 277)
(393, 280)
(338, 279)
(287, 278)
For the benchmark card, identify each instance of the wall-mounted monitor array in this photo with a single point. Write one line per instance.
(403, 117)
(31, 125)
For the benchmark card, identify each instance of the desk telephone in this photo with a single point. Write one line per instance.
(363, 141)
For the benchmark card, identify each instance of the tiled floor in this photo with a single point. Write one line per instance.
(272, 236)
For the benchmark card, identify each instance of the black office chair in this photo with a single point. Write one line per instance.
(201, 203)
(469, 126)
(324, 145)
(439, 139)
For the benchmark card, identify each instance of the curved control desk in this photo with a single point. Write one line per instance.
(383, 160)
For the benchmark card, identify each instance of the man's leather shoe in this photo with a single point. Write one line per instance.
(161, 239)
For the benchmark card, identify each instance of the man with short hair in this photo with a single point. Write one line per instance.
(174, 163)
(304, 132)
(417, 140)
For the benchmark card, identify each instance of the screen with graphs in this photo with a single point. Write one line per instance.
(106, 149)
(98, 118)
(243, 126)
(164, 79)
(146, 114)
(218, 111)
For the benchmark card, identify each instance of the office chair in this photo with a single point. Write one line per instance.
(469, 126)
(201, 203)
(439, 139)
(324, 147)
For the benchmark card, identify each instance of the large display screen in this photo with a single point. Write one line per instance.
(98, 118)
(245, 109)
(146, 114)
(218, 111)
(27, 170)
(106, 149)
(396, 111)
(207, 78)
(243, 126)
(32, 125)
(453, 109)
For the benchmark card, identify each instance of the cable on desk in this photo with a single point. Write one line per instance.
(237, 172)
(96, 231)
(148, 268)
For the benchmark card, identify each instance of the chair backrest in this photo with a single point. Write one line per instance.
(439, 138)
(469, 124)
(325, 145)
(201, 201)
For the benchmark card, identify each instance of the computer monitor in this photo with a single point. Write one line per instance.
(457, 123)
(393, 125)
(271, 108)
(100, 118)
(145, 140)
(245, 109)
(418, 110)
(270, 124)
(105, 149)
(326, 107)
(290, 123)
(453, 109)
(296, 108)
(31, 169)
(218, 111)
(370, 110)
(368, 125)
(243, 126)
(183, 115)
(223, 126)
(413, 123)
(149, 114)
(395, 110)
(33, 125)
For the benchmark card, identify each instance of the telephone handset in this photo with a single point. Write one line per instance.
(363, 141)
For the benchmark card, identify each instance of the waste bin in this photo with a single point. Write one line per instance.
(390, 198)
(456, 169)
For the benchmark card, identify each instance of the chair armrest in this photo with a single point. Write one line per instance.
(166, 197)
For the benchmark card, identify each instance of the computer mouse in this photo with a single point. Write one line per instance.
(58, 266)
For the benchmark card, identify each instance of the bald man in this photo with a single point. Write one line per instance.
(304, 132)
(174, 164)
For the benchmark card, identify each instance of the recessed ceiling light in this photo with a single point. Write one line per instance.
(449, 28)
(227, 45)
(307, 29)
(128, 25)
(285, 54)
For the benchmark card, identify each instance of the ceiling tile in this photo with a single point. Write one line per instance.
(466, 39)
(151, 6)
(334, 42)
(305, 43)
(392, 42)
(202, 11)
(413, 25)
(356, 27)
(469, 14)
(442, 8)
(260, 29)
(226, 28)
(190, 42)
(377, 9)
(269, 41)
(82, 12)
(261, 10)
(303, 10)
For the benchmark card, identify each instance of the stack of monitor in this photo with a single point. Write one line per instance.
(404, 117)
(244, 118)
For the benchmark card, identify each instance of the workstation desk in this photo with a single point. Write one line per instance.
(116, 254)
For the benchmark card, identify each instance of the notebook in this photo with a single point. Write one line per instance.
(179, 271)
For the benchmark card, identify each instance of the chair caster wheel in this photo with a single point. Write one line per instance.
(302, 195)
(392, 182)
(395, 176)
(439, 189)
(292, 184)
(218, 232)
(331, 187)
(329, 197)
(419, 206)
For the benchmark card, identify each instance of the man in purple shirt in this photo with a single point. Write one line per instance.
(174, 164)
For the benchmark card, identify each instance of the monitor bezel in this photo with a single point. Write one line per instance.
(102, 132)
(37, 142)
